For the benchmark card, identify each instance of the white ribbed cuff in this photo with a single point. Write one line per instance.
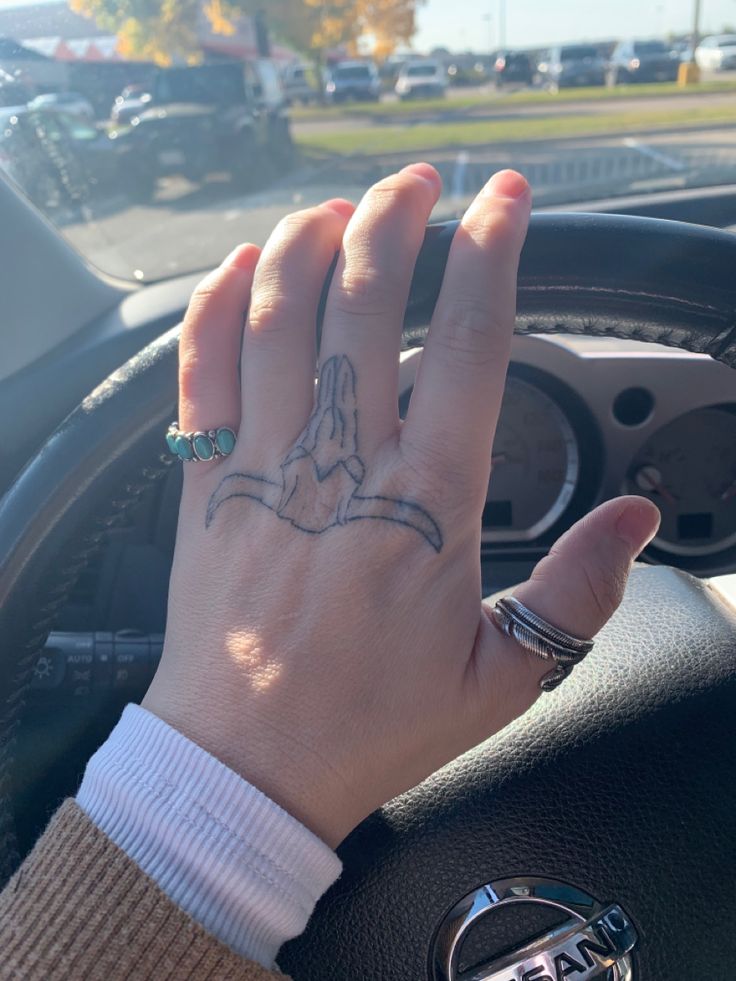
(230, 857)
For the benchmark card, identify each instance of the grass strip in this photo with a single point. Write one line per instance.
(447, 135)
(494, 99)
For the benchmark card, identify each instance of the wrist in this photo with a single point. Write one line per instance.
(268, 756)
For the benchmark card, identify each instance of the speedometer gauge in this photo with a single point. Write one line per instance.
(535, 466)
(688, 468)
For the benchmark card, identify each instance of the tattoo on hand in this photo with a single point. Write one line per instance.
(321, 477)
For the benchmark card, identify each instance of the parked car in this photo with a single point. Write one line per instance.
(61, 161)
(12, 91)
(642, 61)
(716, 53)
(71, 103)
(421, 79)
(132, 101)
(513, 66)
(356, 80)
(212, 118)
(683, 50)
(297, 85)
(571, 65)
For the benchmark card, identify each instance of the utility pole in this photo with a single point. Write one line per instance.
(502, 25)
(695, 38)
(689, 73)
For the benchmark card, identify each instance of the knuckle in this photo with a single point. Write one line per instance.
(299, 227)
(442, 476)
(207, 294)
(605, 587)
(194, 378)
(397, 193)
(269, 314)
(363, 290)
(469, 333)
(499, 222)
(602, 584)
(392, 191)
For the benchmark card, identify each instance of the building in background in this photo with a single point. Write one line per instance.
(58, 49)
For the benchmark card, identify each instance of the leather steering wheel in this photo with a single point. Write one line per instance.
(622, 783)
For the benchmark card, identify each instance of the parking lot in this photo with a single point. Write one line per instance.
(128, 242)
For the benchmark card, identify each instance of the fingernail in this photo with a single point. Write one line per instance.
(343, 207)
(638, 523)
(507, 184)
(242, 257)
(425, 171)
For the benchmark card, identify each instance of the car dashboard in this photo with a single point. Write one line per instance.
(583, 420)
(586, 419)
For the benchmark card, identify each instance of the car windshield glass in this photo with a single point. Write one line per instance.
(207, 85)
(350, 73)
(167, 133)
(578, 53)
(650, 47)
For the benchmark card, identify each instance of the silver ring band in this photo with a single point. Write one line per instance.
(541, 638)
(201, 445)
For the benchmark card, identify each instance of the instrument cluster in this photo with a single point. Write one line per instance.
(583, 421)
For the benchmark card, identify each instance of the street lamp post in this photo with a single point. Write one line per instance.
(695, 38)
(689, 72)
(502, 25)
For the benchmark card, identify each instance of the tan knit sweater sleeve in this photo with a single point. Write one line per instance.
(78, 908)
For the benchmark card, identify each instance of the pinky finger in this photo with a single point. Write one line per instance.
(209, 348)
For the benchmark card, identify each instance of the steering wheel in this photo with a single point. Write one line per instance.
(614, 797)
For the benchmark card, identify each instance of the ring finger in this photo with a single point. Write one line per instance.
(367, 298)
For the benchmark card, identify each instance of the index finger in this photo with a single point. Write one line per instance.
(457, 396)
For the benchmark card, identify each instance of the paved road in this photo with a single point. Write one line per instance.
(192, 227)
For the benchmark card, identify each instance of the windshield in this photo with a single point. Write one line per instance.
(351, 73)
(578, 53)
(650, 47)
(207, 85)
(184, 128)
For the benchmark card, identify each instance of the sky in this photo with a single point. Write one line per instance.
(473, 24)
(462, 24)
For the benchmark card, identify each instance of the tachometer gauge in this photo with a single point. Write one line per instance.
(688, 468)
(535, 466)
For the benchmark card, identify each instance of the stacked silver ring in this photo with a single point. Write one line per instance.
(200, 446)
(541, 639)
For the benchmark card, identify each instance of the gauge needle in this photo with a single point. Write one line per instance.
(649, 478)
(729, 492)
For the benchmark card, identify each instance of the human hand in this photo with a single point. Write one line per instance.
(326, 637)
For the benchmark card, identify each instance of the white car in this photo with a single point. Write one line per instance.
(716, 53)
(421, 79)
(70, 102)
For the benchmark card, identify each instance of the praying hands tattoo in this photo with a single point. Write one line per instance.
(321, 477)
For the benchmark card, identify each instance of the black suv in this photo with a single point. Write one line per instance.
(213, 118)
(512, 66)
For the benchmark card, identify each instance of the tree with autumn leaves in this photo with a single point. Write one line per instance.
(167, 30)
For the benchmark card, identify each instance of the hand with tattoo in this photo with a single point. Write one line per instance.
(326, 636)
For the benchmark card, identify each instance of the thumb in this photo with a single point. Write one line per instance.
(577, 587)
(580, 583)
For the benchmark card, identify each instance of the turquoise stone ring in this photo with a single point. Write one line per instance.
(200, 446)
